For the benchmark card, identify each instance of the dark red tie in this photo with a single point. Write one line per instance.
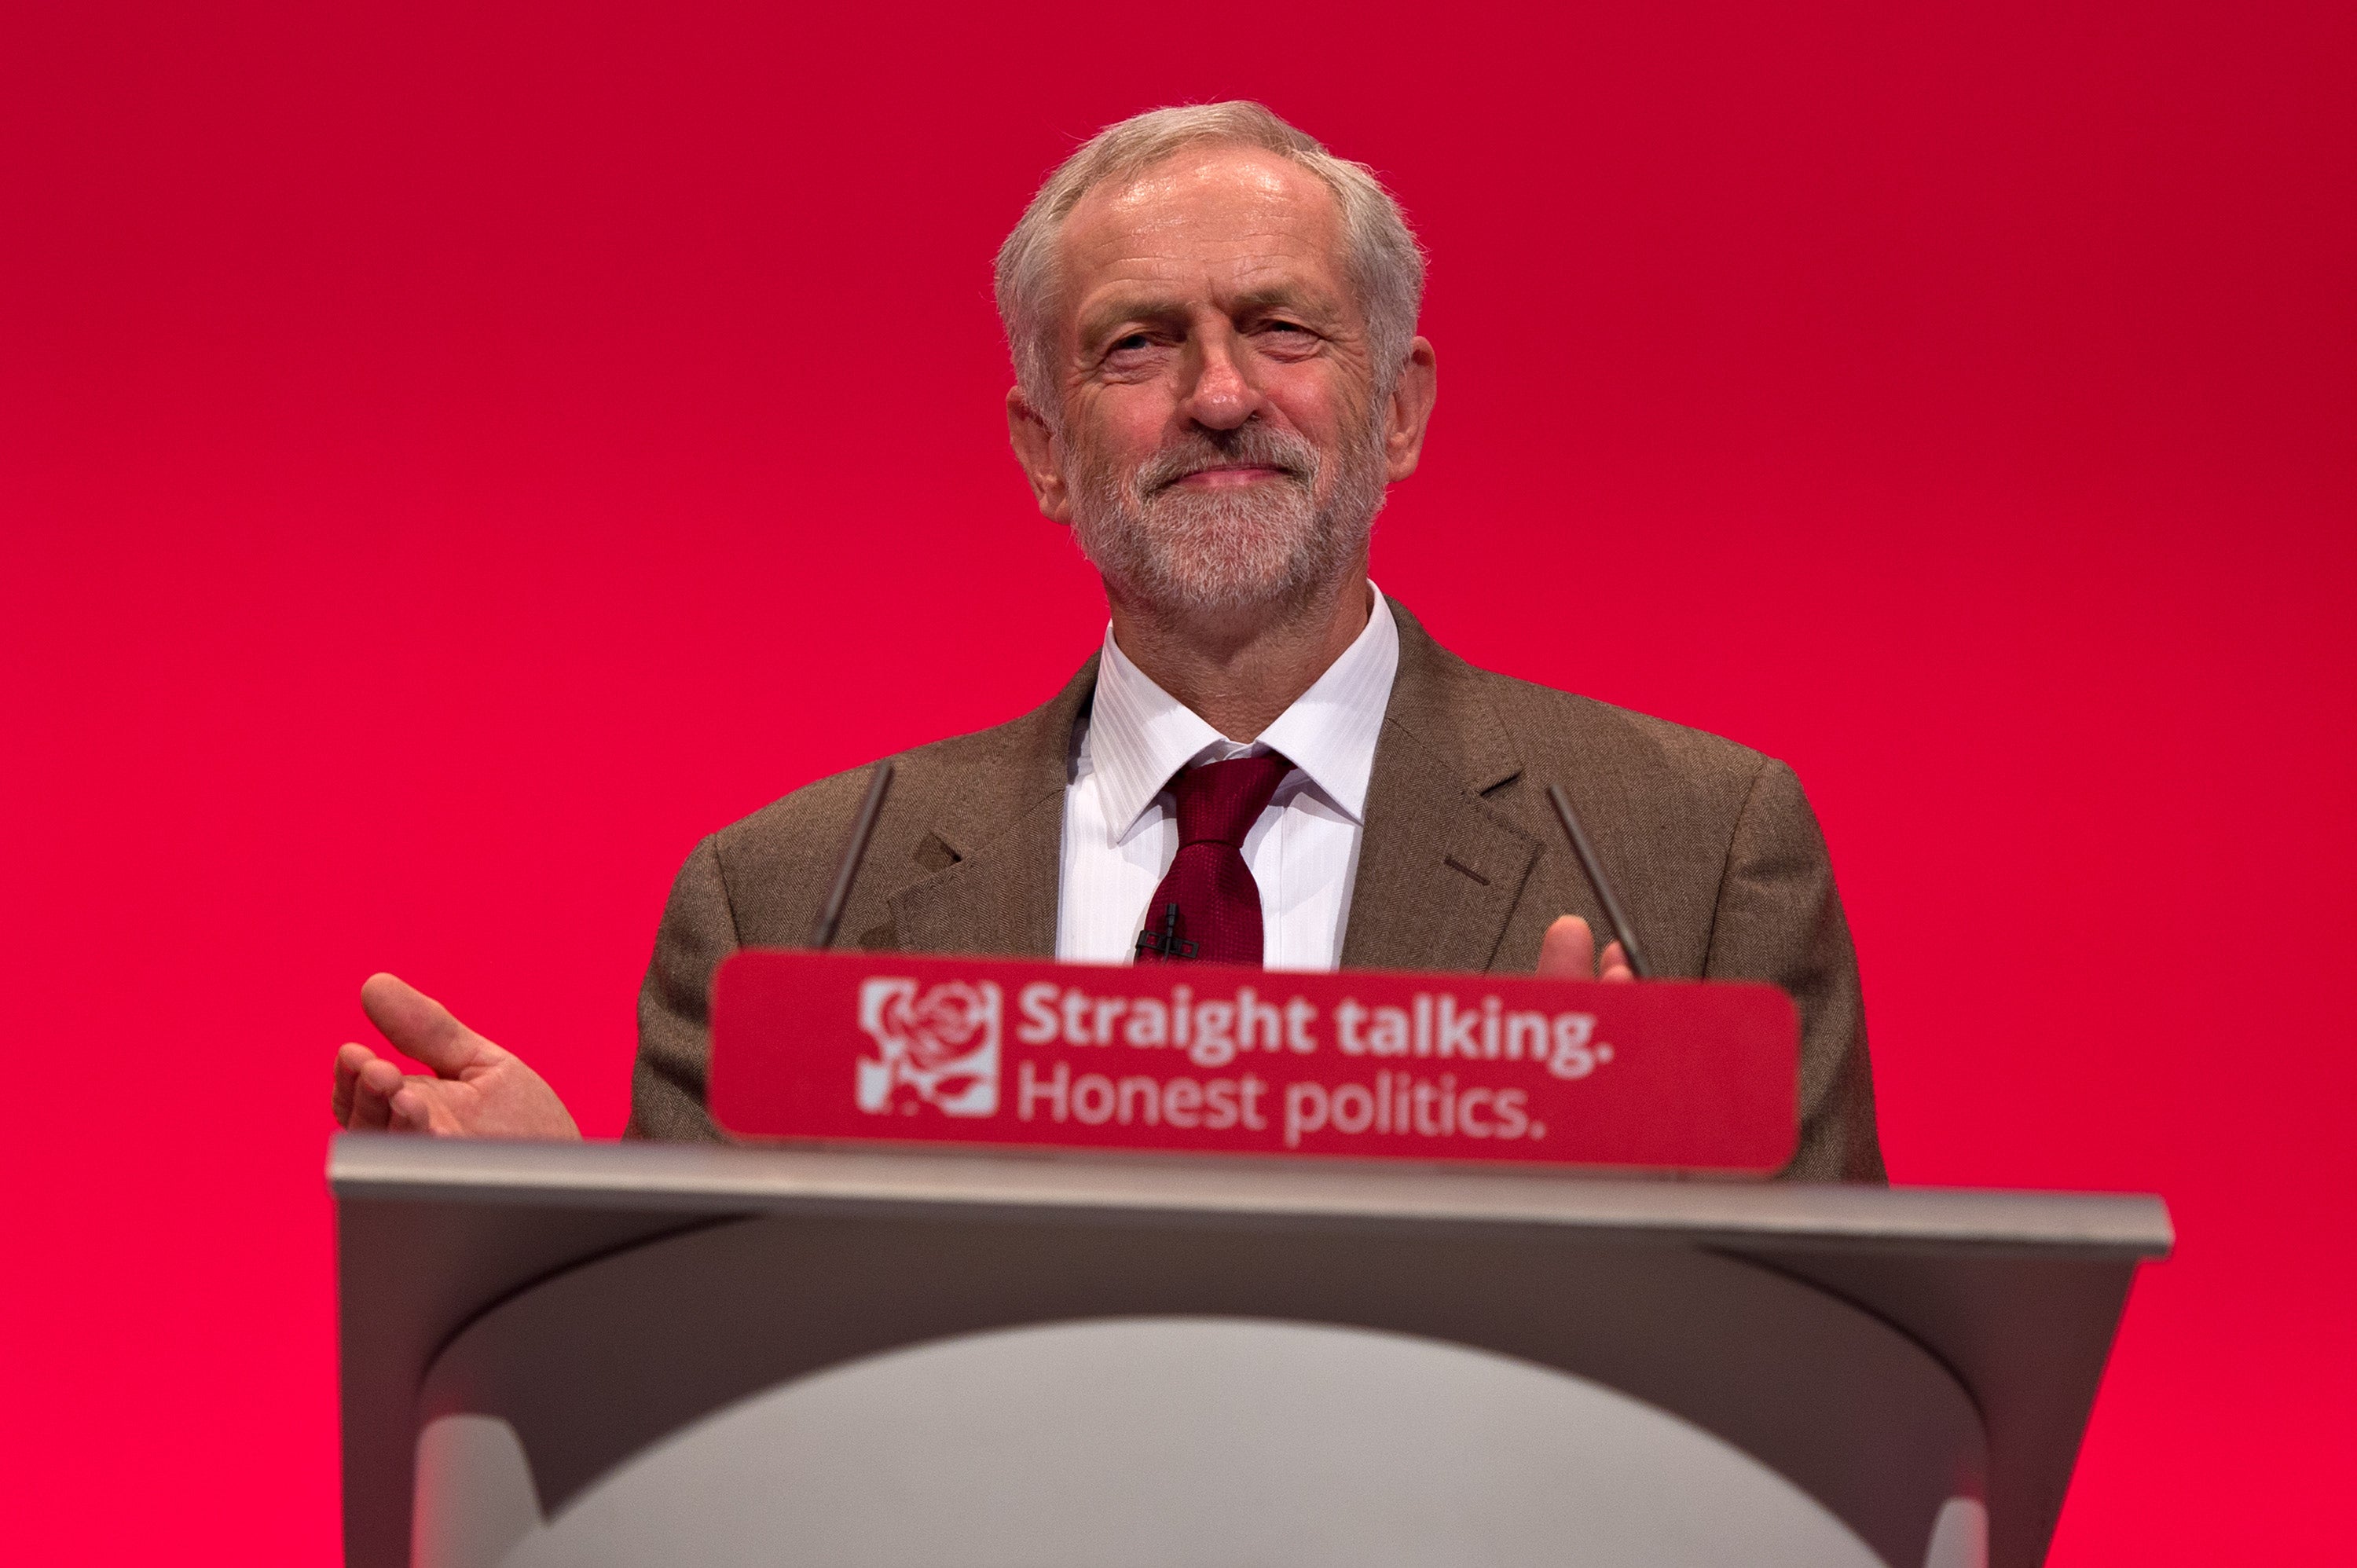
(1208, 907)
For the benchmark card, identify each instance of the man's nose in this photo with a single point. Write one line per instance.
(1222, 395)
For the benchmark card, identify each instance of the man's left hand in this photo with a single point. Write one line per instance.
(1568, 951)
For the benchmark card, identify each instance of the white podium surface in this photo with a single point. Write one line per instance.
(619, 1353)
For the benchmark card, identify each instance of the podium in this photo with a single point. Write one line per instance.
(699, 1355)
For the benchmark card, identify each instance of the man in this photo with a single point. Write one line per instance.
(1213, 327)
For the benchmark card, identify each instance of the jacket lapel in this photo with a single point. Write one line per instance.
(1439, 870)
(1003, 833)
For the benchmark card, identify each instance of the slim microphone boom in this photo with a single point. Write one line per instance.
(854, 849)
(1614, 916)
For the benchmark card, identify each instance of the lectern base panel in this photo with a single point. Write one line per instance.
(1159, 1443)
(1666, 1405)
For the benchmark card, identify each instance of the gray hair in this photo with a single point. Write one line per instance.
(1383, 260)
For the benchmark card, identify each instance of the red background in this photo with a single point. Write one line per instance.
(452, 456)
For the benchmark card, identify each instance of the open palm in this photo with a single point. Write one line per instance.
(476, 1089)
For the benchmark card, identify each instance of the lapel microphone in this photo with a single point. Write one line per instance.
(1614, 916)
(854, 849)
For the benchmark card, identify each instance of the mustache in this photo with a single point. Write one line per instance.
(1253, 444)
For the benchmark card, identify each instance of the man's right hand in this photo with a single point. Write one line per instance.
(477, 1089)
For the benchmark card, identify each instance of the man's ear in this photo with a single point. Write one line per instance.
(1036, 448)
(1410, 411)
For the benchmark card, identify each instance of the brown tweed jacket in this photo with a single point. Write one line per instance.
(1711, 845)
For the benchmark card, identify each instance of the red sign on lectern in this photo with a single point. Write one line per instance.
(1205, 1058)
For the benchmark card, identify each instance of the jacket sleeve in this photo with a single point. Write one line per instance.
(1778, 919)
(668, 1083)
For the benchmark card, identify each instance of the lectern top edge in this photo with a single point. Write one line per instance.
(704, 1179)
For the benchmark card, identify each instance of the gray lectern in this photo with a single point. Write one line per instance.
(655, 1353)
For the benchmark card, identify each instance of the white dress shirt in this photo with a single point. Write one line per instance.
(1121, 827)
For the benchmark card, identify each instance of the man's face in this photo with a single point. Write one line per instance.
(1222, 439)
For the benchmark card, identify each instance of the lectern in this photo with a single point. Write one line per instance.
(661, 1354)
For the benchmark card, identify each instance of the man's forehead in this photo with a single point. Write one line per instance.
(1253, 217)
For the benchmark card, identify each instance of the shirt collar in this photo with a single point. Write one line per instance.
(1139, 735)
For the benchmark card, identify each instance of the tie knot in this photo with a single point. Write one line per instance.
(1220, 801)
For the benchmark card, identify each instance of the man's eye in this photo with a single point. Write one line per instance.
(1285, 338)
(1130, 344)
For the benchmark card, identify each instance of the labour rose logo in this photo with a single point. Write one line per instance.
(939, 1049)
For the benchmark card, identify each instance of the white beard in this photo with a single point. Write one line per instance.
(1178, 551)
